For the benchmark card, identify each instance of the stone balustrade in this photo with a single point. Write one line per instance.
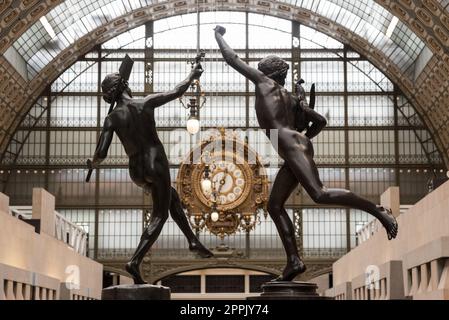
(19, 284)
(48, 262)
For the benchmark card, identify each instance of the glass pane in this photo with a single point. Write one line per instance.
(324, 232)
(119, 232)
(371, 146)
(66, 149)
(363, 76)
(118, 182)
(372, 182)
(70, 188)
(74, 111)
(371, 111)
(327, 75)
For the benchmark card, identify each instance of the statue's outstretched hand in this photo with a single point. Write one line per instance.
(221, 30)
(90, 164)
(197, 71)
(93, 164)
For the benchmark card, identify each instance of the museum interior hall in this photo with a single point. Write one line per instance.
(77, 217)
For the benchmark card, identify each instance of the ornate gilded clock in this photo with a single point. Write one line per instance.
(223, 185)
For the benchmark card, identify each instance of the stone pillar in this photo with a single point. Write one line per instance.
(27, 292)
(2, 287)
(415, 282)
(9, 290)
(434, 275)
(44, 210)
(19, 291)
(423, 286)
(64, 292)
(203, 283)
(247, 284)
(4, 203)
(391, 199)
(44, 294)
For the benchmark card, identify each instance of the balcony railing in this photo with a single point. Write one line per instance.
(66, 231)
(21, 213)
(71, 234)
(368, 231)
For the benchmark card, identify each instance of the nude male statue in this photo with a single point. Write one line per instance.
(276, 108)
(133, 121)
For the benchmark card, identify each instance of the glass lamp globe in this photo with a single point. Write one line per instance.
(193, 125)
(214, 216)
(206, 185)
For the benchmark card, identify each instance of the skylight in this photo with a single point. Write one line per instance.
(69, 21)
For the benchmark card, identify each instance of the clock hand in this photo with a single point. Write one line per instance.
(222, 182)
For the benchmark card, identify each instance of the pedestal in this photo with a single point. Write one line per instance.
(289, 291)
(136, 292)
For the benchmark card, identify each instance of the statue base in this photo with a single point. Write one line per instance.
(136, 292)
(289, 291)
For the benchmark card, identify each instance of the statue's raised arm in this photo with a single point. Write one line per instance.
(233, 59)
(159, 99)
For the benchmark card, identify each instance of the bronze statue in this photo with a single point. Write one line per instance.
(276, 109)
(133, 122)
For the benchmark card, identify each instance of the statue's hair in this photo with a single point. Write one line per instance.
(274, 67)
(110, 84)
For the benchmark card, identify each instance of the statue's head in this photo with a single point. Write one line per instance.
(110, 85)
(274, 68)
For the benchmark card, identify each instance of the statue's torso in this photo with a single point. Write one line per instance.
(278, 109)
(274, 105)
(136, 127)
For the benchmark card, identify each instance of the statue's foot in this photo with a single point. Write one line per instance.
(201, 250)
(389, 222)
(133, 269)
(291, 271)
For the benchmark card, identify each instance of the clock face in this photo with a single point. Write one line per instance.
(230, 183)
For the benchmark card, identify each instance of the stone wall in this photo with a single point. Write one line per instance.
(38, 266)
(415, 265)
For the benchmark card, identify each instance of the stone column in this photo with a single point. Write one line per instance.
(247, 284)
(391, 199)
(44, 210)
(203, 283)
(27, 292)
(9, 290)
(2, 287)
(19, 291)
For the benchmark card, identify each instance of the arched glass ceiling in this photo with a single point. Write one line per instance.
(73, 19)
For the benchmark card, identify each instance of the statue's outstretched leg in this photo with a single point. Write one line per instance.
(283, 186)
(303, 166)
(179, 216)
(160, 191)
